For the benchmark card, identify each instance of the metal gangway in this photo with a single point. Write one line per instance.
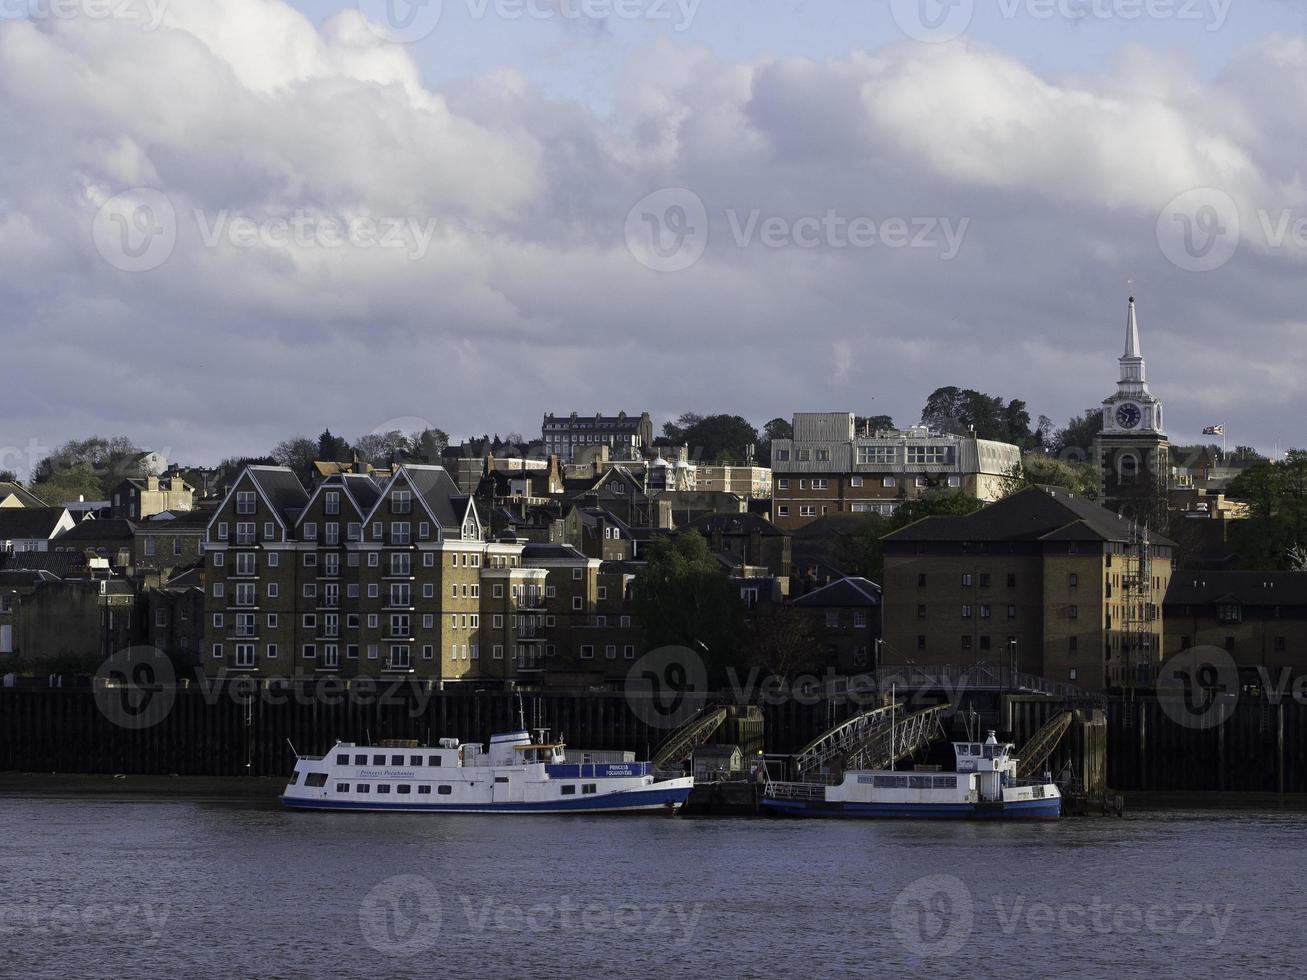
(680, 744)
(1036, 751)
(874, 739)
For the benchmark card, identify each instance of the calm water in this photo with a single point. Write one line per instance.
(159, 888)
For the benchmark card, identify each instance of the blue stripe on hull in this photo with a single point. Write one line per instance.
(1023, 810)
(613, 802)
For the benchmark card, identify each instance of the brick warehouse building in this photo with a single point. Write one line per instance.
(1043, 581)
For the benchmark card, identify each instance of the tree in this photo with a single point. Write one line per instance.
(683, 598)
(8, 476)
(108, 458)
(1039, 470)
(777, 428)
(959, 411)
(298, 453)
(875, 423)
(674, 433)
(1276, 495)
(720, 439)
(1076, 440)
(67, 484)
(332, 449)
(429, 445)
(381, 448)
(859, 549)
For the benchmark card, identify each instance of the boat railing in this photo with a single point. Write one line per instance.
(796, 791)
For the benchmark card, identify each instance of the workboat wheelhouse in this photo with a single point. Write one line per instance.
(515, 774)
(985, 786)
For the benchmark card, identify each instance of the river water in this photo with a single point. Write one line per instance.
(187, 888)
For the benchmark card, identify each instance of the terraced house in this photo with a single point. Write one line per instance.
(363, 578)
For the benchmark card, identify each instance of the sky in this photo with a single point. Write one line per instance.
(228, 222)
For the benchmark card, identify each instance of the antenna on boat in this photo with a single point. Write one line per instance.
(293, 749)
(521, 712)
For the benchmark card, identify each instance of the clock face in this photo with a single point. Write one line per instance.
(1128, 415)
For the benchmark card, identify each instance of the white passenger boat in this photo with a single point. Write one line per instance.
(517, 774)
(985, 787)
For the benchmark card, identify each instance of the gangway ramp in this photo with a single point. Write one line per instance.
(874, 739)
(1036, 751)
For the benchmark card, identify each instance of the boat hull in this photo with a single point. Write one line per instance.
(1045, 809)
(654, 799)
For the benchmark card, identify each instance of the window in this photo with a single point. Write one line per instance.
(401, 502)
(821, 484)
(273, 559)
(310, 559)
(782, 512)
(222, 532)
(875, 455)
(269, 531)
(1011, 612)
(833, 618)
(400, 533)
(568, 790)
(921, 642)
(966, 641)
(984, 580)
(273, 590)
(1072, 580)
(444, 790)
(782, 484)
(1011, 580)
(310, 530)
(807, 511)
(315, 779)
(1073, 611)
(245, 563)
(272, 651)
(855, 481)
(967, 612)
(889, 483)
(587, 652)
(246, 502)
(928, 455)
(966, 581)
(577, 603)
(984, 612)
(610, 652)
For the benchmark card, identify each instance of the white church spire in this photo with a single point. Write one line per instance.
(1132, 332)
(1134, 379)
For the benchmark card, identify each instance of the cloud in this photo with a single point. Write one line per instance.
(508, 289)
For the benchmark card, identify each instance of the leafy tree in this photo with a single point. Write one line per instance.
(429, 445)
(109, 458)
(720, 438)
(777, 428)
(783, 641)
(298, 453)
(381, 448)
(69, 483)
(1075, 441)
(960, 410)
(1276, 495)
(875, 423)
(1039, 470)
(859, 548)
(683, 598)
(8, 476)
(674, 433)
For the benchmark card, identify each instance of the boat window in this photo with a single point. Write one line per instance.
(383, 788)
(588, 788)
(444, 790)
(342, 787)
(342, 760)
(424, 791)
(989, 751)
(362, 788)
(294, 778)
(435, 760)
(404, 790)
(415, 760)
(891, 782)
(378, 760)
(919, 782)
(360, 760)
(501, 779)
(315, 779)
(569, 790)
(945, 782)
(396, 760)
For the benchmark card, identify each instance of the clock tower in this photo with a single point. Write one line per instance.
(1132, 452)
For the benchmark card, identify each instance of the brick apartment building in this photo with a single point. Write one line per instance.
(832, 467)
(1044, 581)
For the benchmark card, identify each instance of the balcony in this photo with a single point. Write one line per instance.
(402, 665)
(533, 663)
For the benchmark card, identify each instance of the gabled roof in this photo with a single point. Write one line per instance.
(175, 520)
(436, 491)
(1201, 588)
(364, 489)
(281, 488)
(25, 497)
(192, 577)
(551, 552)
(17, 523)
(25, 578)
(61, 564)
(851, 591)
(1033, 514)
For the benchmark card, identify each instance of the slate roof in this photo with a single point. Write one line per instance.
(176, 520)
(95, 532)
(738, 524)
(29, 522)
(1201, 588)
(441, 493)
(282, 488)
(26, 497)
(25, 578)
(61, 564)
(1034, 514)
(851, 591)
(551, 552)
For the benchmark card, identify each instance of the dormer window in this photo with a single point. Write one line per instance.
(1230, 613)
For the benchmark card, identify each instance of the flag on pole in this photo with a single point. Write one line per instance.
(1214, 430)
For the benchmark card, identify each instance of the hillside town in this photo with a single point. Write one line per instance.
(841, 546)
